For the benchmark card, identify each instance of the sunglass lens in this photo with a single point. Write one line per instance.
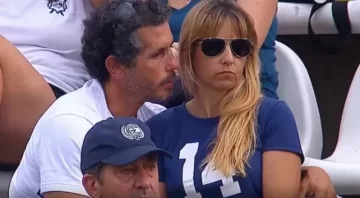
(212, 46)
(241, 47)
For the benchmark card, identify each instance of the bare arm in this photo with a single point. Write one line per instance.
(263, 13)
(62, 195)
(281, 174)
(98, 3)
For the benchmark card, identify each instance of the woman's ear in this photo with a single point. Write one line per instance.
(115, 69)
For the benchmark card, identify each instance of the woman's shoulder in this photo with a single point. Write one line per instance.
(277, 128)
(275, 117)
(268, 103)
(160, 121)
(163, 124)
(270, 107)
(165, 116)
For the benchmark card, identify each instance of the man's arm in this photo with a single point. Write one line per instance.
(60, 151)
(98, 3)
(263, 13)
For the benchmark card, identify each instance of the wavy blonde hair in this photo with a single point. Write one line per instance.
(236, 132)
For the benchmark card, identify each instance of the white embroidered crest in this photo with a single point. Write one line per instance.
(132, 132)
(58, 6)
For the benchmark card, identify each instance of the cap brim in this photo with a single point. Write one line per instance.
(132, 154)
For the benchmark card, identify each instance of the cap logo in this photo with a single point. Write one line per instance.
(132, 132)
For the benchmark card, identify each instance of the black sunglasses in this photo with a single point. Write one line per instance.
(240, 47)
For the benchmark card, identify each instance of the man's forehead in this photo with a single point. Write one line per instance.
(150, 157)
(155, 36)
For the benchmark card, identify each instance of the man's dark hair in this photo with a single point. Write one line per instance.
(111, 30)
(97, 171)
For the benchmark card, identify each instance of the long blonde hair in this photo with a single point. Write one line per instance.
(236, 132)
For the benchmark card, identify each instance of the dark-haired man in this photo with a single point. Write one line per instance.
(126, 48)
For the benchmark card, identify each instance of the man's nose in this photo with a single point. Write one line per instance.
(143, 179)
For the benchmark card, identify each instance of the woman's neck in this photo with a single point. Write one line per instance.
(205, 103)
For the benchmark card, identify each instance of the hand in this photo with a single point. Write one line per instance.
(174, 49)
(175, 52)
(315, 182)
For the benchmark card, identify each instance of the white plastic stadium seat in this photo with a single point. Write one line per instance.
(343, 165)
(5, 178)
(296, 90)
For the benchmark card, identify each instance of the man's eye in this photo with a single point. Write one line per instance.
(158, 54)
(151, 166)
(125, 171)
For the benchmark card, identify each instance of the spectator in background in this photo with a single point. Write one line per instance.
(119, 160)
(263, 13)
(126, 48)
(228, 140)
(40, 46)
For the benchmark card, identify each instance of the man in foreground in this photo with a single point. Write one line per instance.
(119, 160)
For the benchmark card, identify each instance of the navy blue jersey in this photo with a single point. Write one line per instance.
(188, 138)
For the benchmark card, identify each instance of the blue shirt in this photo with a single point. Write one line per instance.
(188, 137)
(269, 75)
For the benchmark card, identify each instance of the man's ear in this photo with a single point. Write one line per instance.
(91, 185)
(115, 69)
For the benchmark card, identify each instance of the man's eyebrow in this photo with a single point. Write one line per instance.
(162, 48)
(159, 50)
(122, 167)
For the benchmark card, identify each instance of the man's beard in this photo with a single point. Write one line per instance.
(147, 91)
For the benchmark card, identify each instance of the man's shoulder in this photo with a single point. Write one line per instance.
(78, 103)
(73, 111)
(73, 102)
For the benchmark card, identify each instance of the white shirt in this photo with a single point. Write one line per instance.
(49, 36)
(51, 161)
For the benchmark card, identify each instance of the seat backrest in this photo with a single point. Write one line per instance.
(295, 88)
(348, 146)
(5, 178)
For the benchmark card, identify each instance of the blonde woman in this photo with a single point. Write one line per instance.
(229, 140)
(263, 13)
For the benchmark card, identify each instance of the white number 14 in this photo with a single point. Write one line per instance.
(209, 175)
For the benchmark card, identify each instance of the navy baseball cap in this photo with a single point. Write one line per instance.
(117, 141)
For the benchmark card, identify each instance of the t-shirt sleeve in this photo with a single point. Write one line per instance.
(280, 131)
(157, 126)
(148, 110)
(60, 150)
